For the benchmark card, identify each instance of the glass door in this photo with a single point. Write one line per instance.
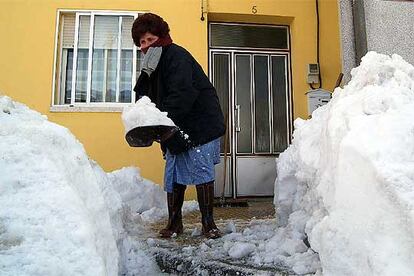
(254, 93)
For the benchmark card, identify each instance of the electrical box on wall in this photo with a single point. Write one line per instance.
(317, 98)
(313, 73)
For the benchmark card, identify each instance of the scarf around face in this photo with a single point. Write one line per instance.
(162, 41)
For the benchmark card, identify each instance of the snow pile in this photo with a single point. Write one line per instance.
(144, 113)
(347, 180)
(139, 199)
(142, 196)
(60, 214)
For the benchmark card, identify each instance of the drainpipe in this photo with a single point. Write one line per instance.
(358, 15)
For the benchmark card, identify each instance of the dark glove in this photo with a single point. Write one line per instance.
(179, 142)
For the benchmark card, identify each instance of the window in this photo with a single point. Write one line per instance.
(97, 62)
(228, 35)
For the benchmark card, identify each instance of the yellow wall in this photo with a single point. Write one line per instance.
(27, 48)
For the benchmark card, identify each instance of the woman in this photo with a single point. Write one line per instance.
(176, 83)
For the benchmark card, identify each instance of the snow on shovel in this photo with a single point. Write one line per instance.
(144, 124)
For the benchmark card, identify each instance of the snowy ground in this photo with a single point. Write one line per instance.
(246, 244)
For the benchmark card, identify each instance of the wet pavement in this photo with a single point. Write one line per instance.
(260, 209)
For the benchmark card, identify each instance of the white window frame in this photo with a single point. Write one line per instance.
(89, 106)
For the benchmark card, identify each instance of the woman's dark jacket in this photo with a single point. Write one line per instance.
(180, 87)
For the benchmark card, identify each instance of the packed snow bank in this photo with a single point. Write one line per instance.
(144, 113)
(60, 213)
(347, 180)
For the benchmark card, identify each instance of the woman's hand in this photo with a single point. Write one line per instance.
(179, 142)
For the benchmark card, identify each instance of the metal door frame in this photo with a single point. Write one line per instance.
(232, 52)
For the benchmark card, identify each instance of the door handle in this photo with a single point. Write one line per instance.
(238, 129)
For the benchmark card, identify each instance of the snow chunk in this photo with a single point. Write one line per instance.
(230, 227)
(144, 113)
(241, 249)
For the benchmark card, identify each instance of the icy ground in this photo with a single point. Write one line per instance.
(250, 245)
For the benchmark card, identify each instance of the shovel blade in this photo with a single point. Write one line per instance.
(144, 136)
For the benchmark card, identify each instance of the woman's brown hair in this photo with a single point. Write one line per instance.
(149, 22)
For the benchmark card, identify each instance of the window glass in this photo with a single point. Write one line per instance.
(248, 36)
(66, 78)
(104, 67)
(261, 93)
(221, 81)
(66, 65)
(108, 69)
(82, 59)
(127, 44)
(243, 101)
(279, 91)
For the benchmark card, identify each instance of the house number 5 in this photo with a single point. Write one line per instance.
(254, 9)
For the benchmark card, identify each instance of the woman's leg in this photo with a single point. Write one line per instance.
(175, 203)
(205, 196)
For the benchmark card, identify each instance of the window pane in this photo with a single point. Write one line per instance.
(66, 76)
(65, 66)
(104, 63)
(127, 44)
(126, 38)
(269, 37)
(97, 86)
(243, 93)
(126, 76)
(262, 104)
(140, 57)
(81, 75)
(68, 21)
(82, 60)
(112, 57)
(279, 88)
(221, 79)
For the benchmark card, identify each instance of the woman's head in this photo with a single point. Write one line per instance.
(148, 27)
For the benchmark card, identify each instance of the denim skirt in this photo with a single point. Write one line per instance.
(192, 167)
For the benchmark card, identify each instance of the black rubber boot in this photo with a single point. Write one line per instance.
(175, 203)
(205, 196)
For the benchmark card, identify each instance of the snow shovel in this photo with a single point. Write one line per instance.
(144, 136)
(223, 201)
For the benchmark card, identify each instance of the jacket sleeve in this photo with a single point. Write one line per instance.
(142, 86)
(181, 93)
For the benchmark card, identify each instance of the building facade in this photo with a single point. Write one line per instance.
(384, 26)
(75, 62)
